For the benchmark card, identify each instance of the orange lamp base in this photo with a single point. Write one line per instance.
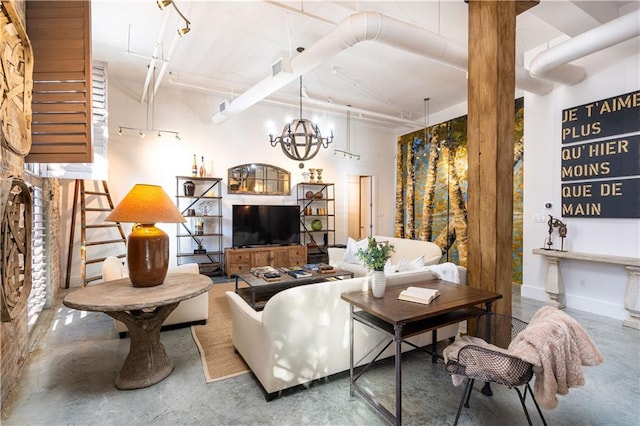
(147, 255)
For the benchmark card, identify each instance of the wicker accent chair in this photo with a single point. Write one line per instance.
(492, 366)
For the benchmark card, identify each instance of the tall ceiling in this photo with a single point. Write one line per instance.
(232, 46)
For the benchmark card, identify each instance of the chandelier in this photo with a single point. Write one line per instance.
(301, 139)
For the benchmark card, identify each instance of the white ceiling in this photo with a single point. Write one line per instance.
(232, 45)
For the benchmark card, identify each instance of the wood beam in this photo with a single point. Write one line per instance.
(491, 87)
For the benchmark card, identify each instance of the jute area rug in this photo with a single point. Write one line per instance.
(213, 339)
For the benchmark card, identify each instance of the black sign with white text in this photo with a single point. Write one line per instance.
(603, 159)
(601, 156)
(612, 116)
(611, 198)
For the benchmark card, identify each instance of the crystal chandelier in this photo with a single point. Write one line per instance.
(301, 139)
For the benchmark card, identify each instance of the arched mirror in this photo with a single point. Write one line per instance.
(256, 178)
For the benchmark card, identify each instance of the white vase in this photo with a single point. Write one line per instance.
(378, 283)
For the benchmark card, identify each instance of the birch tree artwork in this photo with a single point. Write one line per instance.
(431, 197)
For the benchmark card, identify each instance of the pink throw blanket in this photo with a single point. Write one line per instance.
(557, 346)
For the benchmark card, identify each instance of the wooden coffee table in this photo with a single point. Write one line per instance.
(399, 320)
(143, 310)
(259, 291)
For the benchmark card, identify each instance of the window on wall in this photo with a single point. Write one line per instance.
(40, 291)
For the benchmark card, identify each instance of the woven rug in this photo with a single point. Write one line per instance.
(213, 339)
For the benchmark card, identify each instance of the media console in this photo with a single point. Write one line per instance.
(243, 259)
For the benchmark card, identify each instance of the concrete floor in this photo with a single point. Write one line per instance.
(68, 379)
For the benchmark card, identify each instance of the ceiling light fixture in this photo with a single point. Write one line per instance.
(183, 31)
(165, 3)
(301, 139)
(141, 131)
(151, 105)
(348, 152)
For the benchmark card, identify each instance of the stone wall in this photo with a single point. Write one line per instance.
(13, 335)
(14, 338)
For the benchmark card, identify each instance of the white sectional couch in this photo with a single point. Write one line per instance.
(411, 257)
(303, 333)
(188, 312)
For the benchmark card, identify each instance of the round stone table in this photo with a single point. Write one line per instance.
(143, 310)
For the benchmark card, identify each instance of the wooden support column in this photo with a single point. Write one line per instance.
(491, 86)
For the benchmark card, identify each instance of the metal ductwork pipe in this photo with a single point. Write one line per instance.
(369, 26)
(363, 26)
(553, 63)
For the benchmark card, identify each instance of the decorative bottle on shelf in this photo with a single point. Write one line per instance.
(203, 171)
(194, 167)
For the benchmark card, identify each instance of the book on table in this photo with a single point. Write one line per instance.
(418, 295)
(261, 271)
(299, 273)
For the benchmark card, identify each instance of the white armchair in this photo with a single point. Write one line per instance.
(188, 312)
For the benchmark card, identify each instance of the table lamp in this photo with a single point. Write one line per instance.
(147, 246)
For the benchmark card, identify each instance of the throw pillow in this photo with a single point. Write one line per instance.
(390, 268)
(350, 255)
(433, 260)
(410, 265)
(418, 262)
(405, 265)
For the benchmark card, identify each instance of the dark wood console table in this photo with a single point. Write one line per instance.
(400, 320)
(143, 310)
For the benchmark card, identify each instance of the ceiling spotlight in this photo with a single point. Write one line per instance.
(183, 31)
(141, 134)
(120, 131)
(178, 137)
(159, 134)
(163, 3)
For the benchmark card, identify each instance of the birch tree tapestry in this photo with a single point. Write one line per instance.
(431, 192)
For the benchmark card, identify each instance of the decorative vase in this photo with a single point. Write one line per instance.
(378, 283)
(203, 170)
(309, 195)
(312, 175)
(189, 188)
(316, 225)
(318, 195)
(319, 173)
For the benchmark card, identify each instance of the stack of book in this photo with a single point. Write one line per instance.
(265, 272)
(323, 268)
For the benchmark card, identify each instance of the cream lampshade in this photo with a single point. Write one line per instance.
(147, 246)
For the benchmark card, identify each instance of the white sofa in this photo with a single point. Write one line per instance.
(188, 312)
(303, 333)
(406, 257)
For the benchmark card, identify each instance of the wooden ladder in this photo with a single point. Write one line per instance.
(80, 192)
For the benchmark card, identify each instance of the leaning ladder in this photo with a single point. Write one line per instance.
(81, 193)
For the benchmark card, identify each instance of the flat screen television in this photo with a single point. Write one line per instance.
(260, 225)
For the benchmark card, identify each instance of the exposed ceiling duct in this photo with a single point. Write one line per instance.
(367, 26)
(553, 63)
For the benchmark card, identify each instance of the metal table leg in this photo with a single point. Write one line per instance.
(351, 341)
(398, 340)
